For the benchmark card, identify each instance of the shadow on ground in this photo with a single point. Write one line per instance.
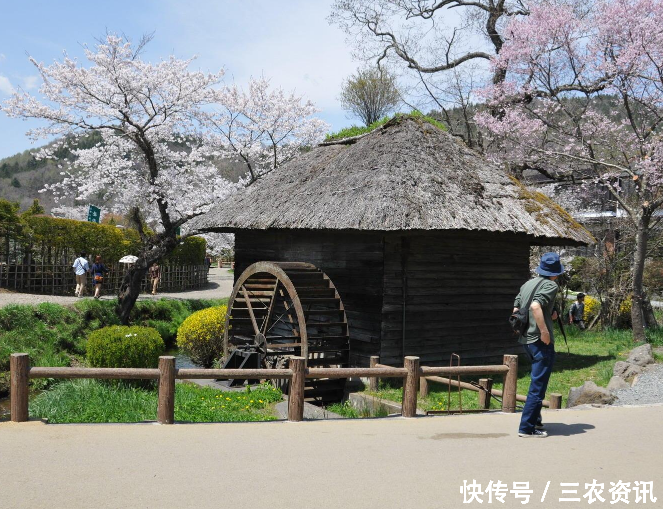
(566, 430)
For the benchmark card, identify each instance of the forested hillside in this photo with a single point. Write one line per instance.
(22, 175)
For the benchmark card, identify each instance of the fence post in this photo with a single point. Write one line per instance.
(19, 367)
(423, 386)
(484, 395)
(373, 382)
(510, 384)
(166, 406)
(410, 386)
(296, 392)
(555, 401)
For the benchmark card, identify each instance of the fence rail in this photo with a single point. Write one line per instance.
(59, 279)
(21, 372)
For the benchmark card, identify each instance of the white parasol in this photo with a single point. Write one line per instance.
(128, 259)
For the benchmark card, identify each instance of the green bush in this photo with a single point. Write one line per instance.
(191, 251)
(120, 346)
(201, 335)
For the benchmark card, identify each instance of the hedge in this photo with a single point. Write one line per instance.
(53, 238)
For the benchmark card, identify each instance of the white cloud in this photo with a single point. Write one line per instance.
(30, 82)
(6, 86)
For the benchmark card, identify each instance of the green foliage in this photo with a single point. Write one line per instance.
(354, 130)
(10, 222)
(120, 346)
(593, 355)
(59, 234)
(190, 252)
(346, 410)
(34, 210)
(370, 94)
(201, 335)
(349, 132)
(15, 182)
(55, 335)
(86, 401)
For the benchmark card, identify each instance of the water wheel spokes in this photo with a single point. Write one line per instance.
(286, 309)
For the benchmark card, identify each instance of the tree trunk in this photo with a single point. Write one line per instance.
(130, 288)
(637, 314)
(648, 310)
(129, 292)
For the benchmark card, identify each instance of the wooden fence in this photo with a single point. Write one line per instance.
(51, 279)
(297, 373)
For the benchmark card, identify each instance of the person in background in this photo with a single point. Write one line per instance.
(577, 312)
(208, 261)
(99, 270)
(538, 341)
(81, 268)
(155, 275)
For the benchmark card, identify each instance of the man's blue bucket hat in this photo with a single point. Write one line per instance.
(550, 265)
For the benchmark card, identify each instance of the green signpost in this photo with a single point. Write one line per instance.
(94, 214)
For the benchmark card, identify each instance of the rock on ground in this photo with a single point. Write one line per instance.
(589, 393)
(616, 383)
(626, 370)
(642, 355)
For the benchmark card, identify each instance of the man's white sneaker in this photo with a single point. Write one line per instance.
(535, 434)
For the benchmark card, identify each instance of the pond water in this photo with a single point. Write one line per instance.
(4, 409)
(181, 360)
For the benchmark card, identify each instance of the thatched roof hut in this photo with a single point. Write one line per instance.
(405, 218)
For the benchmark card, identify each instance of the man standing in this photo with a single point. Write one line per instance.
(538, 341)
(577, 312)
(81, 268)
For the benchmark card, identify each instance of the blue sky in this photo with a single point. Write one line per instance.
(288, 41)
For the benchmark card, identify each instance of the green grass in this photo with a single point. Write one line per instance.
(592, 357)
(354, 130)
(55, 335)
(90, 401)
(345, 409)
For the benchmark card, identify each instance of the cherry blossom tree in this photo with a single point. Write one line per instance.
(265, 128)
(584, 93)
(152, 161)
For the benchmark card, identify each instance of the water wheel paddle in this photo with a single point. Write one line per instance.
(282, 309)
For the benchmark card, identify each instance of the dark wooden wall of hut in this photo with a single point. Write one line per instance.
(353, 261)
(460, 288)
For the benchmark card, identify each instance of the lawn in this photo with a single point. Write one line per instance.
(89, 401)
(55, 335)
(592, 357)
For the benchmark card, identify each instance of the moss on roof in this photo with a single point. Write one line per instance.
(350, 132)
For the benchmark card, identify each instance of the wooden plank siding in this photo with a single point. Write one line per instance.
(460, 288)
(353, 261)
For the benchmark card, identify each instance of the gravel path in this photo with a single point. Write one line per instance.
(648, 388)
(220, 285)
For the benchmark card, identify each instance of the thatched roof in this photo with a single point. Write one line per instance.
(406, 176)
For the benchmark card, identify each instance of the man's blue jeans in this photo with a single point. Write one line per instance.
(542, 357)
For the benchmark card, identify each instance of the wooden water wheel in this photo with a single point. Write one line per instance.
(285, 309)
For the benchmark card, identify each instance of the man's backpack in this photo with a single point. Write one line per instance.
(519, 320)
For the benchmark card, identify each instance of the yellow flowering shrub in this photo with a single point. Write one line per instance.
(592, 308)
(201, 335)
(624, 317)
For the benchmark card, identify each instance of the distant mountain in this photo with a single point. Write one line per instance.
(22, 176)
